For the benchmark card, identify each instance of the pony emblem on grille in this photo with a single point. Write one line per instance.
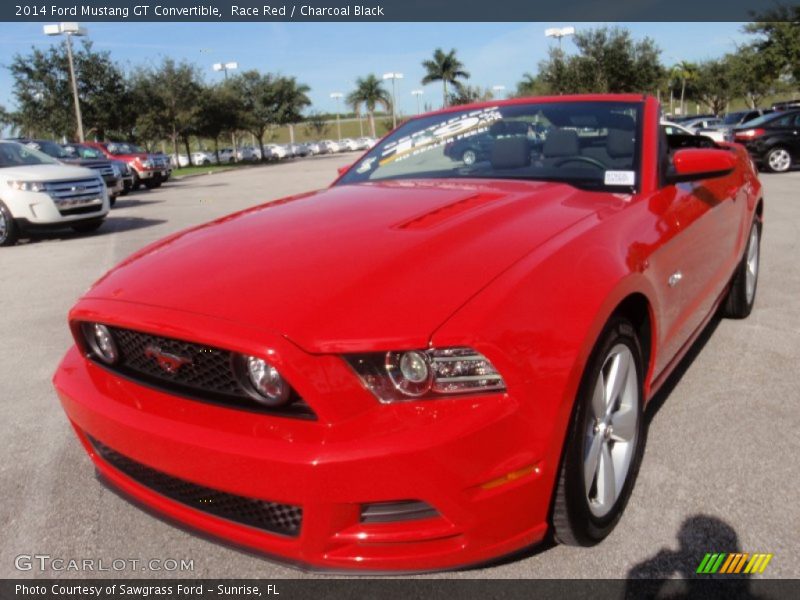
(168, 362)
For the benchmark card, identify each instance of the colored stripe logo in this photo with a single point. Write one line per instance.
(733, 563)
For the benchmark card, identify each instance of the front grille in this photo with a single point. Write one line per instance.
(73, 193)
(105, 171)
(284, 519)
(207, 373)
(82, 210)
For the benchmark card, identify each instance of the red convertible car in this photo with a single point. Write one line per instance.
(429, 364)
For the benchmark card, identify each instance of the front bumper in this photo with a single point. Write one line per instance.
(442, 453)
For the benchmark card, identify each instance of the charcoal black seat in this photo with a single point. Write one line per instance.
(620, 143)
(511, 153)
(560, 144)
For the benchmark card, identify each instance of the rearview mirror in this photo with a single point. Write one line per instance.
(693, 164)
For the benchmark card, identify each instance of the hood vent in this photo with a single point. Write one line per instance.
(443, 213)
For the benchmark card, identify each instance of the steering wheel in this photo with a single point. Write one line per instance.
(587, 159)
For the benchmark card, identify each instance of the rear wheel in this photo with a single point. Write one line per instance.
(469, 157)
(605, 441)
(88, 226)
(778, 160)
(9, 232)
(742, 293)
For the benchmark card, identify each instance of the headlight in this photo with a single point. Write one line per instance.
(100, 342)
(27, 186)
(147, 164)
(406, 375)
(263, 381)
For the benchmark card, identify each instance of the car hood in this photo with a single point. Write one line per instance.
(355, 267)
(46, 173)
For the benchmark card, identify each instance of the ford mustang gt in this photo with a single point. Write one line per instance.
(432, 363)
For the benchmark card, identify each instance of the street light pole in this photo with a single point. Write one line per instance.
(338, 96)
(559, 33)
(68, 30)
(394, 77)
(417, 93)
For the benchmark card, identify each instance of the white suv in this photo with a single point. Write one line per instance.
(39, 193)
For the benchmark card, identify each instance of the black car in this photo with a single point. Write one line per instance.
(478, 148)
(772, 140)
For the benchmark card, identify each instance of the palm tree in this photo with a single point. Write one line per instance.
(369, 92)
(685, 71)
(445, 68)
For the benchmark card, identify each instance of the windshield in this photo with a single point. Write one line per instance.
(49, 148)
(17, 155)
(84, 151)
(587, 144)
(733, 118)
(117, 148)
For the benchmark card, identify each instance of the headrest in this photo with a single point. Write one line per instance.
(619, 143)
(511, 153)
(561, 142)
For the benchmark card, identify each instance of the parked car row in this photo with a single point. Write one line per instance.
(771, 135)
(52, 186)
(272, 152)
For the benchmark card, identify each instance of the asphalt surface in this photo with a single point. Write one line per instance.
(719, 473)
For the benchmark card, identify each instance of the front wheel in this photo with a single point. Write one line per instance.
(469, 157)
(9, 232)
(742, 293)
(605, 441)
(778, 160)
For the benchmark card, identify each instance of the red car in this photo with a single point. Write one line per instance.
(428, 364)
(150, 170)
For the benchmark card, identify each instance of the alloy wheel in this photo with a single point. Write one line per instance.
(469, 157)
(779, 160)
(751, 271)
(611, 432)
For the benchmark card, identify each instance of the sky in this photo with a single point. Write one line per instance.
(330, 56)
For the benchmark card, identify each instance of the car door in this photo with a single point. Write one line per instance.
(700, 226)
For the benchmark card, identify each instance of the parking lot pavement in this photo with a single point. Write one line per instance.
(719, 473)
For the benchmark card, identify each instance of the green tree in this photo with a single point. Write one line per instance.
(468, 94)
(753, 74)
(686, 73)
(168, 102)
(444, 67)
(316, 125)
(43, 93)
(778, 39)
(370, 93)
(609, 60)
(267, 101)
(218, 113)
(716, 85)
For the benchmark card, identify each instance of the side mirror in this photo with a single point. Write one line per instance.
(343, 170)
(693, 164)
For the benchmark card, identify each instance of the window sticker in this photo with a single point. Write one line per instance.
(620, 178)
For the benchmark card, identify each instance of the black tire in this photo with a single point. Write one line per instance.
(137, 182)
(152, 184)
(573, 520)
(739, 302)
(126, 189)
(112, 201)
(469, 157)
(772, 162)
(88, 226)
(9, 232)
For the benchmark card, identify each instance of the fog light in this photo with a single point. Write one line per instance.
(271, 389)
(101, 342)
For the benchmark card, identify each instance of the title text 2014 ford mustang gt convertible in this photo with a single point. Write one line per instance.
(432, 363)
